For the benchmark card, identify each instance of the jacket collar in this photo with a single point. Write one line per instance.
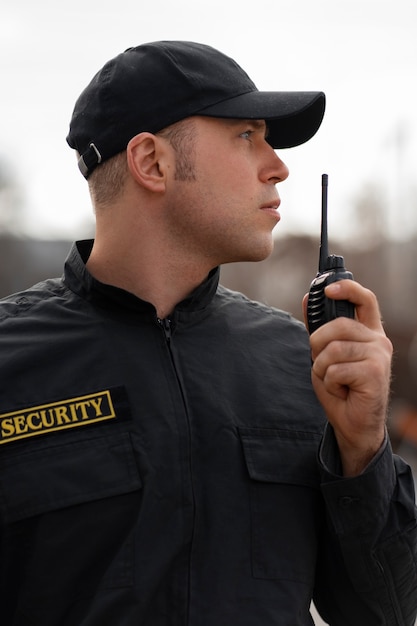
(81, 282)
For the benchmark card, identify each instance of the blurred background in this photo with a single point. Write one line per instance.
(361, 53)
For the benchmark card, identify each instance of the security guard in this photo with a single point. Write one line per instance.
(172, 453)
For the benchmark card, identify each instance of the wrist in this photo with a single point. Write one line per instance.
(355, 458)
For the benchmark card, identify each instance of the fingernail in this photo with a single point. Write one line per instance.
(333, 288)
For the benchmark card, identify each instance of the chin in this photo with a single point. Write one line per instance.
(255, 255)
(252, 250)
(260, 251)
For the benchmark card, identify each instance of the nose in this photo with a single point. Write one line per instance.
(274, 171)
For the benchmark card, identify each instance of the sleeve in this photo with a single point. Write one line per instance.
(367, 562)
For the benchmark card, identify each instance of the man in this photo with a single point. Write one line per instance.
(165, 460)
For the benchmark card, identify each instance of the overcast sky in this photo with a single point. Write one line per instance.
(362, 53)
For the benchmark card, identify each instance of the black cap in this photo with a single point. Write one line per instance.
(149, 87)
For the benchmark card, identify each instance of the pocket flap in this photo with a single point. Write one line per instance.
(281, 456)
(64, 475)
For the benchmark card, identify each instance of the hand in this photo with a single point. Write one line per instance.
(351, 375)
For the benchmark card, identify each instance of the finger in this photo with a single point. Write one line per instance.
(338, 356)
(304, 307)
(366, 304)
(340, 337)
(329, 385)
(364, 385)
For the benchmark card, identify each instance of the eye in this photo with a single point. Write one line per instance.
(246, 134)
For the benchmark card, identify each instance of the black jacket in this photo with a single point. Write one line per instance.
(175, 473)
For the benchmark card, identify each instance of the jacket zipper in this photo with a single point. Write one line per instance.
(166, 325)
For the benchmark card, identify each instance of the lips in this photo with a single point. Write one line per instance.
(272, 207)
(271, 204)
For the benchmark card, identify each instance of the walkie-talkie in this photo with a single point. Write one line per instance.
(321, 309)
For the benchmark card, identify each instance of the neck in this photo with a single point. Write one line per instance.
(151, 275)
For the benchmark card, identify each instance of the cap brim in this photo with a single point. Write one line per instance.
(293, 117)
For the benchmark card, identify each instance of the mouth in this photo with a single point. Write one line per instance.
(272, 208)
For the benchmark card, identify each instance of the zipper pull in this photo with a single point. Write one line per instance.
(166, 326)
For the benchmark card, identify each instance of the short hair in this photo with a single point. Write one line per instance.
(106, 181)
(181, 136)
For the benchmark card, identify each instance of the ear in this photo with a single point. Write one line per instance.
(147, 160)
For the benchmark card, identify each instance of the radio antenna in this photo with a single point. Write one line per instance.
(324, 242)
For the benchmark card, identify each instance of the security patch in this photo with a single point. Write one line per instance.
(61, 415)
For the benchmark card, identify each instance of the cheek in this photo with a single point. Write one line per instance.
(225, 186)
(225, 169)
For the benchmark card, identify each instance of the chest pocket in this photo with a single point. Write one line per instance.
(67, 516)
(285, 499)
(65, 475)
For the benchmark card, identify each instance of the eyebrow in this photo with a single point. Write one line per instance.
(257, 124)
